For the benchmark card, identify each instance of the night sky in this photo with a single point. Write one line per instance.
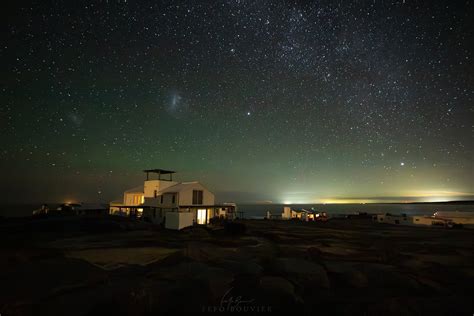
(288, 101)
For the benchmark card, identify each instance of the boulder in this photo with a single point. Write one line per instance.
(388, 279)
(313, 254)
(217, 279)
(250, 267)
(312, 273)
(278, 286)
(348, 273)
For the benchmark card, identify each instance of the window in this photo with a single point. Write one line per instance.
(138, 199)
(173, 199)
(197, 196)
(155, 193)
(161, 199)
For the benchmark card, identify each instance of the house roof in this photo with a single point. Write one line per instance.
(208, 206)
(138, 189)
(303, 211)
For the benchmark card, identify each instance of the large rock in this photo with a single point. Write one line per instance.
(312, 273)
(348, 273)
(249, 267)
(206, 252)
(217, 279)
(388, 279)
(314, 254)
(279, 294)
(442, 305)
(277, 285)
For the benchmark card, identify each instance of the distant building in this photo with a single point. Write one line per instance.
(303, 214)
(393, 219)
(174, 204)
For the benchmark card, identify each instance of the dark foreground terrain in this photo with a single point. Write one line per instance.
(112, 266)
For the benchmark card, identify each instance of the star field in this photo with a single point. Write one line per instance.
(260, 100)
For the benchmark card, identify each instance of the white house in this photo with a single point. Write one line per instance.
(174, 204)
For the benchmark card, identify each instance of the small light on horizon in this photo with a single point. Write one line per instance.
(402, 164)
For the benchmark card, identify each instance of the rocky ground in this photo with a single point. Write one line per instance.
(112, 266)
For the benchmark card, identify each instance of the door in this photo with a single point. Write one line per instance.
(201, 216)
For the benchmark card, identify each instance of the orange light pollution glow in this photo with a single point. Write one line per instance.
(409, 197)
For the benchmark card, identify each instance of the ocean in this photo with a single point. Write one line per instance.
(260, 210)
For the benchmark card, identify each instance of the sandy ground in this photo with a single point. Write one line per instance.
(111, 266)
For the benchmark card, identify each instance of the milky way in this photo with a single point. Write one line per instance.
(260, 100)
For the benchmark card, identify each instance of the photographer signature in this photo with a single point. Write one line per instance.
(229, 302)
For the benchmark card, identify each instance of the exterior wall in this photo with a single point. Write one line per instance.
(210, 213)
(134, 198)
(179, 220)
(156, 215)
(158, 185)
(388, 219)
(422, 220)
(397, 220)
(294, 214)
(152, 215)
(167, 200)
(151, 201)
(286, 213)
(185, 196)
